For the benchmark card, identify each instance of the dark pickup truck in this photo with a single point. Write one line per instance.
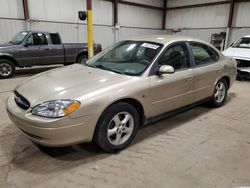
(29, 48)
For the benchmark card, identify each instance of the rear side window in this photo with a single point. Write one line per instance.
(216, 55)
(55, 39)
(203, 54)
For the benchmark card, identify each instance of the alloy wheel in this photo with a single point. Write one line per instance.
(220, 92)
(120, 128)
(5, 69)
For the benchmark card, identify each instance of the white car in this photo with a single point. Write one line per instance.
(240, 51)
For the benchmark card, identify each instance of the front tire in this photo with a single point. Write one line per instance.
(220, 94)
(117, 127)
(7, 69)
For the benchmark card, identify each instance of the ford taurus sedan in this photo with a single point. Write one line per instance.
(129, 84)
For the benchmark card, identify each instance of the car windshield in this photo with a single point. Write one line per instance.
(18, 39)
(242, 43)
(126, 57)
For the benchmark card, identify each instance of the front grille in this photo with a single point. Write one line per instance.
(242, 63)
(21, 101)
(242, 73)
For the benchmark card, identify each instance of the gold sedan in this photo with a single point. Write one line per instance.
(127, 85)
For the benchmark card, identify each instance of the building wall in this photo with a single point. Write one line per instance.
(176, 3)
(9, 27)
(200, 17)
(241, 22)
(201, 22)
(11, 9)
(11, 19)
(157, 3)
(136, 21)
(61, 16)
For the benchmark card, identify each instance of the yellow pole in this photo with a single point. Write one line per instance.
(90, 29)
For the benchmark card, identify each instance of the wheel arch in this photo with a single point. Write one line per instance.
(227, 78)
(133, 102)
(81, 53)
(10, 59)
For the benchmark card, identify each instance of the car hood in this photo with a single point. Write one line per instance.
(7, 47)
(237, 53)
(69, 82)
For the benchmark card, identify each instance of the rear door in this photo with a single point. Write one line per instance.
(57, 49)
(172, 91)
(207, 69)
(36, 50)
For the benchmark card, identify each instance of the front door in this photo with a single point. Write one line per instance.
(172, 91)
(36, 51)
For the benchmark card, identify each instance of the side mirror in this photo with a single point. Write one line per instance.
(166, 69)
(26, 45)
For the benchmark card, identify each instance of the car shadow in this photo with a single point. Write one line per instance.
(24, 72)
(171, 122)
(29, 157)
(39, 159)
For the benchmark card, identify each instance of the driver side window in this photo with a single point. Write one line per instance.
(37, 39)
(177, 56)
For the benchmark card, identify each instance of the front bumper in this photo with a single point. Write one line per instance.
(52, 131)
(243, 68)
(243, 72)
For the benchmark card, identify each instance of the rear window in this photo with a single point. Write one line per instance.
(216, 55)
(55, 39)
(203, 54)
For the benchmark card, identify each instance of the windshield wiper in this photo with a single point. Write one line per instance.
(108, 69)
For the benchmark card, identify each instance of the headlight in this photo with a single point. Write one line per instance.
(56, 108)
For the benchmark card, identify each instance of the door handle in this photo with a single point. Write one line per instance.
(189, 78)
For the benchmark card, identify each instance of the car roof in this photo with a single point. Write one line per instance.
(165, 39)
(168, 39)
(45, 32)
(247, 36)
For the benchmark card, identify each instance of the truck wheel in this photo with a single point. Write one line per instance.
(117, 127)
(7, 68)
(81, 58)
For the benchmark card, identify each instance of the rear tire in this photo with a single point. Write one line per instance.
(117, 127)
(220, 94)
(81, 57)
(7, 69)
